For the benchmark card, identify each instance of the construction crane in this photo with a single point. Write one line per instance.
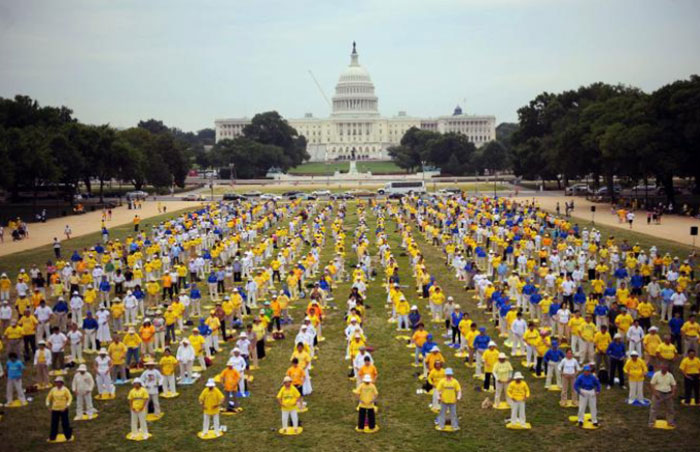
(320, 89)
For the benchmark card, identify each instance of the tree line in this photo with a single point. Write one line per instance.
(44, 147)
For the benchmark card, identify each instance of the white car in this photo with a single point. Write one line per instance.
(321, 193)
(270, 197)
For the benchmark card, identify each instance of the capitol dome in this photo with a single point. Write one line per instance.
(354, 93)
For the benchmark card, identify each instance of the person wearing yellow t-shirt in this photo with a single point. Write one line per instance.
(666, 352)
(133, 346)
(58, 400)
(435, 376)
(138, 403)
(450, 392)
(28, 323)
(690, 332)
(117, 353)
(210, 399)
(367, 394)
(636, 369)
(502, 372)
(690, 367)
(167, 363)
(518, 392)
(288, 397)
(437, 300)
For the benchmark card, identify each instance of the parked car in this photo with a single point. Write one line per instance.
(308, 197)
(577, 189)
(321, 193)
(137, 194)
(292, 194)
(194, 197)
(270, 197)
(341, 196)
(359, 193)
(233, 197)
(252, 194)
(396, 195)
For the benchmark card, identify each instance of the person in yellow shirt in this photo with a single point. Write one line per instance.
(636, 369)
(28, 323)
(518, 392)
(651, 342)
(437, 300)
(690, 332)
(210, 399)
(288, 398)
(502, 372)
(367, 394)
(58, 400)
(133, 345)
(167, 363)
(418, 339)
(450, 392)
(13, 335)
(117, 351)
(666, 352)
(690, 367)
(138, 403)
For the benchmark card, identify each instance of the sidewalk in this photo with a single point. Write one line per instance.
(672, 227)
(41, 234)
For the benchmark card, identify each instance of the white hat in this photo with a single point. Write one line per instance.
(211, 383)
(450, 298)
(59, 379)
(82, 368)
(137, 380)
(634, 353)
(492, 344)
(230, 362)
(243, 334)
(286, 379)
(617, 336)
(354, 319)
(236, 349)
(518, 376)
(435, 348)
(501, 355)
(653, 328)
(414, 308)
(103, 351)
(367, 379)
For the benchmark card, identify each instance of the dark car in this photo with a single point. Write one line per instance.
(292, 195)
(233, 197)
(396, 195)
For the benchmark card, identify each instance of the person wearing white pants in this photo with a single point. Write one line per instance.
(152, 379)
(82, 386)
(185, 358)
(636, 369)
(138, 402)
(288, 398)
(76, 343)
(587, 386)
(518, 392)
(211, 399)
(103, 373)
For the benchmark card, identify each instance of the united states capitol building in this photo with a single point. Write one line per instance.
(356, 130)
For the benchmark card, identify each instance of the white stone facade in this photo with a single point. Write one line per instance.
(355, 128)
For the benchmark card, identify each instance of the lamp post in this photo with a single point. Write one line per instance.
(211, 183)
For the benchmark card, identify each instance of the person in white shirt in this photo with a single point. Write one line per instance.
(75, 337)
(152, 379)
(518, 329)
(569, 368)
(635, 336)
(678, 301)
(43, 315)
(42, 362)
(562, 318)
(103, 372)
(5, 315)
(76, 308)
(57, 344)
(82, 386)
(239, 364)
(130, 308)
(102, 316)
(185, 357)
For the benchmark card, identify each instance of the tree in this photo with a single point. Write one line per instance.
(251, 159)
(493, 156)
(270, 128)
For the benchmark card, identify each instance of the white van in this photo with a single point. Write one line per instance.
(403, 187)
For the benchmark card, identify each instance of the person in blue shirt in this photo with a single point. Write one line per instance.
(579, 299)
(456, 317)
(105, 288)
(601, 313)
(481, 343)
(666, 305)
(211, 283)
(609, 293)
(587, 387)
(15, 370)
(535, 308)
(60, 310)
(636, 283)
(675, 325)
(428, 345)
(553, 309)
(621, 275)
(617, 354)
(90, 330)
(414, 317)
(551, 363)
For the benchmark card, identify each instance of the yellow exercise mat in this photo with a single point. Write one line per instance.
(391, 321)
(86, 417)
(461, 354)
(692, 403)
(571, 404)
(106, 396)
(367, 429)
(586, 418)
(663, 425)
(447, 428)
(61, 438)
(152, 417)
(478, 377)
(253, 367)
(502, 406)
(211, 434)
(410, 345)
(554, 388)
(56, 373)
(198, 369)
(518, 354)
(41, 387)
(290, 431)
(138, 436)
(170, 395)
(250, 378)
(303, 410)
(512, 426)
(232, 413)
(403, 337)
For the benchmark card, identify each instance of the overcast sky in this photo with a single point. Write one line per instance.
(189, 62)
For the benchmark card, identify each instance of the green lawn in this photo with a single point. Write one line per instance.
(405, 421)
(322, 168)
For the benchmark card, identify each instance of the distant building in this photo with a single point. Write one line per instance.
(355, 129)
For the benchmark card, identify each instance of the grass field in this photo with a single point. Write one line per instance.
(405, 421)
(322, 168)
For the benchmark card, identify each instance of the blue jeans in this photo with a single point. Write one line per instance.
(452, 407)
(132, 353)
